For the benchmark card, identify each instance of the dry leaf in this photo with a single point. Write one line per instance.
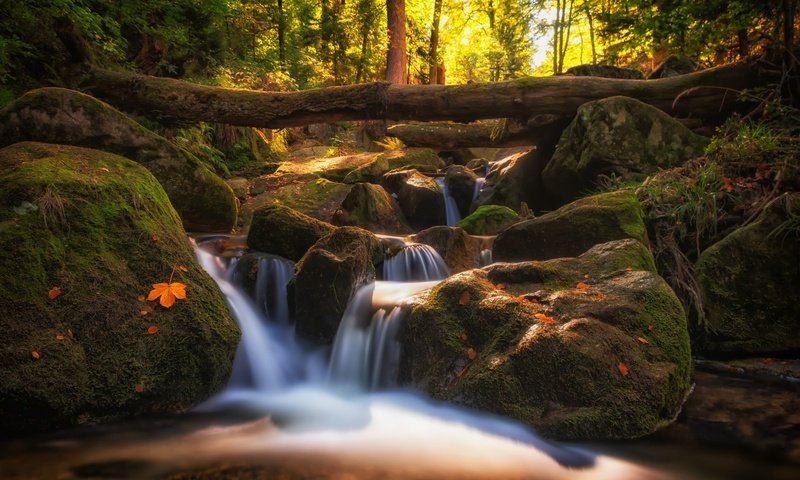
(628, 269)
(183, 268)
(59, 337)
(138, 388)
(649, 328)
(500, 286)
(103, 169)
(146, 310)
(155, 237)
(599, 296)
(471, 353)
(545, 319)
(727, 184)
(586, 275)
(642, 340)
(464, 298)
(53, 293)
(152, 329)
(35, 355)
(140, 298)
(463, 337)
(623, 369)
(582, 286)
(168, 293)
(69, 333)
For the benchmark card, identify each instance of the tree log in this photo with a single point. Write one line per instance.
(704, 94)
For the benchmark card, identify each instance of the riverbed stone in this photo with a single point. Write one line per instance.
(370, 206)
(750, 283)
(460, 182)
(419, 197)
(459, 250)
(280, 230)
(586, 348)
(84, 235)
(573, 228)
(58, 115)
(616, 137)
(488, 220)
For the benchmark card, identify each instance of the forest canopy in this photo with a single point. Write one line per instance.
(298, 44)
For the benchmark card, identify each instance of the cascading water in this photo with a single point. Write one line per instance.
(414, 262)
(476, 191)
(451, 213)
(486, 257)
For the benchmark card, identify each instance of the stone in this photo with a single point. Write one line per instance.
(573, 228)
(280, 230)
(619, 137)
(488, 220)
(673, 66)
(57, 115)
(607, 71)
(459, 250)
(460, 182)
(371, 207)
(514, 180)
(419, 197)
(102, 229)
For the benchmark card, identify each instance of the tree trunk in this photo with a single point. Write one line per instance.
(396, 56)
(592, 41)
(281, 36)
(433, 60)
(167, 98)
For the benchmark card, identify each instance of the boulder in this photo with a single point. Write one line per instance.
(57, 115)
(279, 230)
(459, 250)
(573, 228)
(673, 66)
(750, 282)
(460, 182)
(313, 196)
(419, 197)
(423, 159)
(607, 71)
(616, 136)
(577, 358)
(515, 179)
(371, 207)
(83, 234)
(330, 273)
(488, 220)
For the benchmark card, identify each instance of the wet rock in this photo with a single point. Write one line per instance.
(489, 220)
(280, 230)
(460, 182)
(459, 250)
(419, 197)
(371, 207)
(673, 66)
(608, 359)
(101, 229)
(514, 180)
(573, 228)
(57, 115)
(620, 137)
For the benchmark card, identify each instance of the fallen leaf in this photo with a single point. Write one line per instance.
(168, 293)
(599, 296)
(582, 286)
(152, 329)
(69, 333)
(471, 353)
(138, 388)
(545, 319)
(59, 337)
(183, 268)
(623, 369)
(147, 309)
(104, 169)
(727, 184)
(649, 328)
(35, 355)
(463, 337)
(642, 340)
(140, 298)
(500, 286)
(464, 298)
(53, 293)
(628, 269)
(586, 275)
(155, 237)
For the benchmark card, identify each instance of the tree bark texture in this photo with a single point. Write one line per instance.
(396, 55)
(705, 95)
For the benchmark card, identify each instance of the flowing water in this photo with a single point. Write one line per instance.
(414, 262)
(451, 213)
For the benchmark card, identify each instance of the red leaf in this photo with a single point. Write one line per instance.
(545, 319)
(35, 355)
(727, 184)
(623, 369)
(59, 337)
(155, 237)
(582, 286)
(642, 340)
(138, 388)
(53, 293)
(464, 298)
(152, 329)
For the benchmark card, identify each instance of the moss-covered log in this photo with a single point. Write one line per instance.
(559, 95)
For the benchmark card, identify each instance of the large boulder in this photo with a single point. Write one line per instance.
(57, 115)
(83, 233)
(594, 347)
(460, 182)
(673, 66)
(419, 197)
(514, 180)
(488, 220)
(328, 276)
(573, 228)
(459, 250)
(617, 136)
(750, 283)
(313, 196)
(606, 71)
(279, 230)
(371, 207)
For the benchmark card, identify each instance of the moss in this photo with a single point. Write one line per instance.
(279, 230)
(421, 159)
(488, 220)
(370, 207)
(316, 197)
(102, 254)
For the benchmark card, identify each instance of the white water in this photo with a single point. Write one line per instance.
(415, 262)
(329, 418)
(486, 257)
(477, 189)
(451, 213)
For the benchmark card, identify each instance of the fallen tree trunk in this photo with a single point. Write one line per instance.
(702, 94)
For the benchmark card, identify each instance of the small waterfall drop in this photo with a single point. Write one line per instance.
(476, 191)
(414, 262)
(486, 257)
(268, 291)
(451, 213)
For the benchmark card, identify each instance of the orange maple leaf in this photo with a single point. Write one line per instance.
(582, 286)
(623, 369)
(168, 293)
(152, 329)
(545, 319)
(53, 293)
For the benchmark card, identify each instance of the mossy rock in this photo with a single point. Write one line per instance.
(459, 250)
(488, 220)
(101, 228)
(573, 228)
(608, 361)
(750, 283)
(673, 66)
(314, 196)
(414, 158)
(328, 276)
(419, 197)
(57, 115)
(514, 180)
(606, 71)
(371, 207)
(616, 136)
(282, 231)
(460, 182)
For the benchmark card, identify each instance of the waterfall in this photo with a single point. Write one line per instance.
(269, 293)
(414, 262)
(486, 257)
(476, 191)
(451, 213)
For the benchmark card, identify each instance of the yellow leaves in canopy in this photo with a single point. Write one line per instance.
(168, 292)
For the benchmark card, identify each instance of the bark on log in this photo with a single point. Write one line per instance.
(559, 96)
